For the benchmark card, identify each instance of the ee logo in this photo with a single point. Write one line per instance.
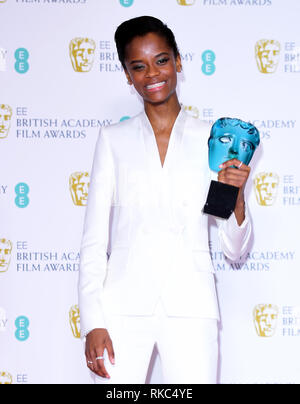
(21, 56)
(124, 118)
(126, 3)
(22, 191)
(208, 58)
(22, 324)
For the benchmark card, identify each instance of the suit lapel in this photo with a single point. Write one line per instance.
(151, 148)
(161, 180)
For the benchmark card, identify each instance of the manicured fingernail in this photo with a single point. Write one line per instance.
(221, 165)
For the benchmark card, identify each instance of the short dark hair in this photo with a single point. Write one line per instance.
(141, 26)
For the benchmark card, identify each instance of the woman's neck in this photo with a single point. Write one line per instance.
(162, 116)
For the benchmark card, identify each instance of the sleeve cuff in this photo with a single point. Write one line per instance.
(234, 238)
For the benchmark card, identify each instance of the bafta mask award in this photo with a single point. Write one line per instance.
(229, 138)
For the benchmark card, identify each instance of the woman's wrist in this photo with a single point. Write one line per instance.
(239, 211)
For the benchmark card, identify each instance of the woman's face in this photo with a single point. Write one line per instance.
(152, 68)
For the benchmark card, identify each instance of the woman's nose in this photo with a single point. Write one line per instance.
(152, 71)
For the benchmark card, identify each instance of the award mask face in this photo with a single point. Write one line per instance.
(229, 139)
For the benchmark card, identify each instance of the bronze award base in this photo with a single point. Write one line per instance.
(221, 200)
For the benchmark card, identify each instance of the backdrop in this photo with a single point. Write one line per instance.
(60, 82)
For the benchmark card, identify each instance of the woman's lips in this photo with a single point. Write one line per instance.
(155, 87)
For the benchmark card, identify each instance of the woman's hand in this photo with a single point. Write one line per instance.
(237, 177)
(96, 342)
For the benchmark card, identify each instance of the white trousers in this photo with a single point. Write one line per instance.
(187, 347)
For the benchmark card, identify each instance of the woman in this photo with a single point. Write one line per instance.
(149, 183)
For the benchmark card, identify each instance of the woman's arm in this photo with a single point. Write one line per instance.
(237, 177)
(93, 257)
(93, 254)
(235, 233)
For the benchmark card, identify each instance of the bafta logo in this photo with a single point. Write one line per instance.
(82, 53)
(5, 254)
(193, 111)
(265, 319)
(5, 120)
(186, 2)
(5, 378)
(266, 188)
(267, 54)
(79, 188)
(74, 319)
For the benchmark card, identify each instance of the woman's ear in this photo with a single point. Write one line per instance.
(129, 82)
(178, 64)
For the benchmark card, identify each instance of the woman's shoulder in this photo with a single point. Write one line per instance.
(198, 130)
(124, 125)
(198, 124)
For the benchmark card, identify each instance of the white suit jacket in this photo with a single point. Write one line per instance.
(145, 236)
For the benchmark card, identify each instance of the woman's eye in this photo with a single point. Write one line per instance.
(138, 67)
(163, 61)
